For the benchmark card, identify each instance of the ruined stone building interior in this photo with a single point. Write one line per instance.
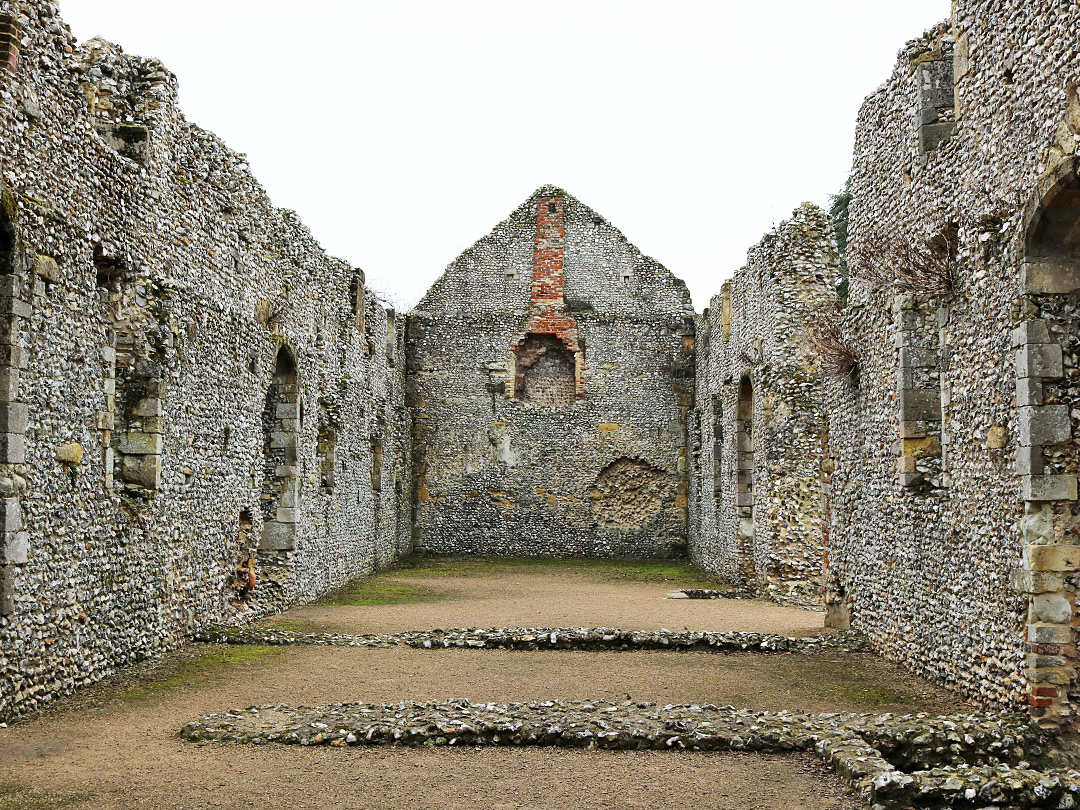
(207, 421)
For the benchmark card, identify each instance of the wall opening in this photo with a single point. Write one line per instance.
(281, 465)
(376, 466)
(744, 495)
(545, 371)
(718, 447)
(14, 542)
(1048, 422)
(327, 443)
(245, 576)
(1053, 243)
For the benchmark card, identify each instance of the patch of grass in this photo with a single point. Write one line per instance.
(16, 797)
(866, 685)
(668, 572)
(380, 590)
(212, 663)
(290, 625)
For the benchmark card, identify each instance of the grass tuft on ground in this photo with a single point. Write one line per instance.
(674, 573)
(381, 589)
(16, 797)
(212, 663)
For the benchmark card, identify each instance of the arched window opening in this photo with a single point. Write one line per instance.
(1047, 426)
(1053, 241)
(546, 372)
(281, 468)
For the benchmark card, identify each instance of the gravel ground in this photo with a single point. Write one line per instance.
(115, 745)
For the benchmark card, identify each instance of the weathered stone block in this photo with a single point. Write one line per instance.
(1049, 633)
(10, 515)
(744, 499)
(919, 405)
(1031, 332)
(1043, 425)
(910, 320)
(1037, 525)
(287, 410)
(278, 536)
(1052, 558)
(962, 56)
(139, 444)
(70, 454)
(287, 515)
(1050, 278)
(1022, 580)
(282, 440)
(838, 615)
(143, 471)
(1046, 661)
(997, 437)
(7, 590)
(935, 84)
(10, 305)
(912, 357)
(157, 388)
(909, 480)
(14, 356)
(150, 406)
(915, 430)
(1029, 391)
(47, 268)
(14, 548)
(152, 424)
(9, 330)
(1039, 360)
(13, 417)
(1049, 487)
(1052, 608)
(932, 136)
(9, 384)
(290, 494)
(12, 448)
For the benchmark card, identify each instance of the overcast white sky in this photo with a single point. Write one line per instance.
(403, 130)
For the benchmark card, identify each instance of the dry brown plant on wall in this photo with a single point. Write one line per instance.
(903, 263)
(824, 343)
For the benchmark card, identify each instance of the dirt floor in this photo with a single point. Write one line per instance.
(440, 593)
(114, 745)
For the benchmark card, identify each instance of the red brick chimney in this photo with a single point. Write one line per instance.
(547, 306)
(10, 42)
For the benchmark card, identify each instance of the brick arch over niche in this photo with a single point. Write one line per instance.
(545, 371)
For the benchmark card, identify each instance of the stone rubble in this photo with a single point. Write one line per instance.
(561, 638)
(892, 761)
